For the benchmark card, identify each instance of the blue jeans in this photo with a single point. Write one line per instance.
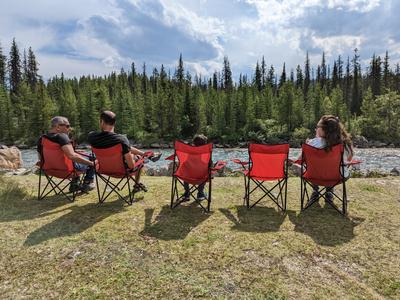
(89, 171)
(199, 191)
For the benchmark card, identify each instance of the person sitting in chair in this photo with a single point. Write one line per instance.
(329, 132)
(107, 138)
(59, 133)
(198, 140)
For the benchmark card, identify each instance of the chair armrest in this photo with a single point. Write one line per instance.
(353, 162)
(218, 165)
(171, 157)
(137, 166)
(297, 161)
(148, 154)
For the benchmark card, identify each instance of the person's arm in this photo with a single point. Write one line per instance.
(129, 159)
(72, 155)
(136, 151)
(348, 152)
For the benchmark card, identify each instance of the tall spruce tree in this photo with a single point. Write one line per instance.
(307, 78)
(258, 78)
(32, 69)
(356, 88)
(386, 72)
(14, 67)
(282, 79)
(299, 77)
(3, 68)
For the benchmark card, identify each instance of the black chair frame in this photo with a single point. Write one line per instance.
(324, 191)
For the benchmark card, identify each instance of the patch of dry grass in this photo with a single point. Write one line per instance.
(55, 249)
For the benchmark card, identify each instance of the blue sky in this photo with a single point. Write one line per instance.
(98, 36)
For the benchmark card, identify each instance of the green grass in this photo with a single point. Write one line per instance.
(55, 249)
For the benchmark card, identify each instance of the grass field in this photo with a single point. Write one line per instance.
(56, 249)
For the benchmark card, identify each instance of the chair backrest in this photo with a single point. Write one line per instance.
(322, 167)
(110, 161)
(53, 160)
(268, 161)
(194, 162)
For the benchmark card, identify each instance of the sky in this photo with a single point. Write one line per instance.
(96, 37)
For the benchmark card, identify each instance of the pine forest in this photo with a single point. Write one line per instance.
(271, 105)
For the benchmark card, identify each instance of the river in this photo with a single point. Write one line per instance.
(377, 159)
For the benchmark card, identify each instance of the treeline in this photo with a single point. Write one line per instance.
(158, 104)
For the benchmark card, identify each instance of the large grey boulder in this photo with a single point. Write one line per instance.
(360, 141)
(10, 158)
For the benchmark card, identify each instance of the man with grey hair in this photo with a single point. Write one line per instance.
(58, 133)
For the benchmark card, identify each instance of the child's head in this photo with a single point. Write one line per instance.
(330, 128)
(199, 140)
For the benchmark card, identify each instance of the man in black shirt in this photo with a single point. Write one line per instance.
(107, 138)
(58, 133)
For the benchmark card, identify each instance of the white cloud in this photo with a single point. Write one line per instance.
(337, 44)
(96, 36)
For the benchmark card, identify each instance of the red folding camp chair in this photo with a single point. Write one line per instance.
(326, 169)
(195, 167)
(54, 164)
(110, 164)
(266, 163)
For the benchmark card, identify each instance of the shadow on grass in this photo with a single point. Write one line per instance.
(78, 219)
(256, 219)
(17, 204)
(324, 225)
(173, 224)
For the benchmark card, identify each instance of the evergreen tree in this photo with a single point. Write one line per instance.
(14, 67)
(347, 85)
(282, 79)
(263, 72)
(356, 89)
(386, 72)
(258, 81)
(179, 74)
(3, 67)
(32, 69)
(323, 71)
(299, 77)
(335, 76)
(307, 79)
(6, 127)
(375, 75)
(227, 75)
(271, 77)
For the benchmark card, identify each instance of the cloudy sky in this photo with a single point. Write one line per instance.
(97, 36)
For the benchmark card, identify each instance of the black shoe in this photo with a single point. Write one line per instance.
(87, 187)
(155, 157)
(74, 185)
(139, 187)
(201, 196)
(185, 197)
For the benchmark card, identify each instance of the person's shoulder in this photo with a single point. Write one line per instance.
(64, 138)
(317, 142)
(122, 137)
(93, 134)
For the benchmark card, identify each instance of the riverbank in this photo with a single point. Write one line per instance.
(56, 249)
